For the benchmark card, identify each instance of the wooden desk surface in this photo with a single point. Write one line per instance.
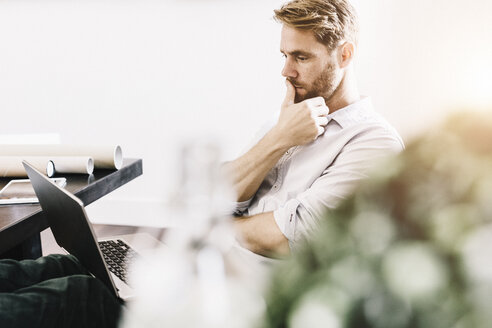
(20, 222)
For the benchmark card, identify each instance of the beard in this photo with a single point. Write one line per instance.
(323, 86)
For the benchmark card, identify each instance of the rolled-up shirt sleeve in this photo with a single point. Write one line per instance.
(300, 216)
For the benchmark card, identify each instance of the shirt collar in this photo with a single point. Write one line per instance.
(356, 112)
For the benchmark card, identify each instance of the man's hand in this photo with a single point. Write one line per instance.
(298, 124)
(303, 122)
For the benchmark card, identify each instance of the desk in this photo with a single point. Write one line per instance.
(20, 225)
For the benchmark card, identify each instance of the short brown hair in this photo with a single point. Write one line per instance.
(330, 20)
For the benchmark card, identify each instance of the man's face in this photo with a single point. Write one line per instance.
(309, 66)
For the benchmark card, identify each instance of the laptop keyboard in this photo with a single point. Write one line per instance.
(118, 255)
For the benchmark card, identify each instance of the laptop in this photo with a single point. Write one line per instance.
(107, 259)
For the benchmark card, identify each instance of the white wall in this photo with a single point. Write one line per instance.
(146, 74)
(421, 59)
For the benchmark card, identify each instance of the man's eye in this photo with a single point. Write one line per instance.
(284, 56)
(301, 58)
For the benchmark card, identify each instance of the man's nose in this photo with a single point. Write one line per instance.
(289, 70)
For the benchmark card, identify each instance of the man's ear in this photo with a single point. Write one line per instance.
(346, 54)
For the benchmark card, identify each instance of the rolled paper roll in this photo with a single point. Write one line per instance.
(104, 157)
(11, 166)
(74, 164)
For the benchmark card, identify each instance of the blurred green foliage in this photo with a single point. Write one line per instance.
(412, 247)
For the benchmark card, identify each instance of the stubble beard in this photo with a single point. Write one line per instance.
(323, 86)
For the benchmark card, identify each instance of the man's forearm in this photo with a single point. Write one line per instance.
(248, 171)
(260, 234)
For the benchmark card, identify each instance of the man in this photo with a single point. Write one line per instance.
(325, 138)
